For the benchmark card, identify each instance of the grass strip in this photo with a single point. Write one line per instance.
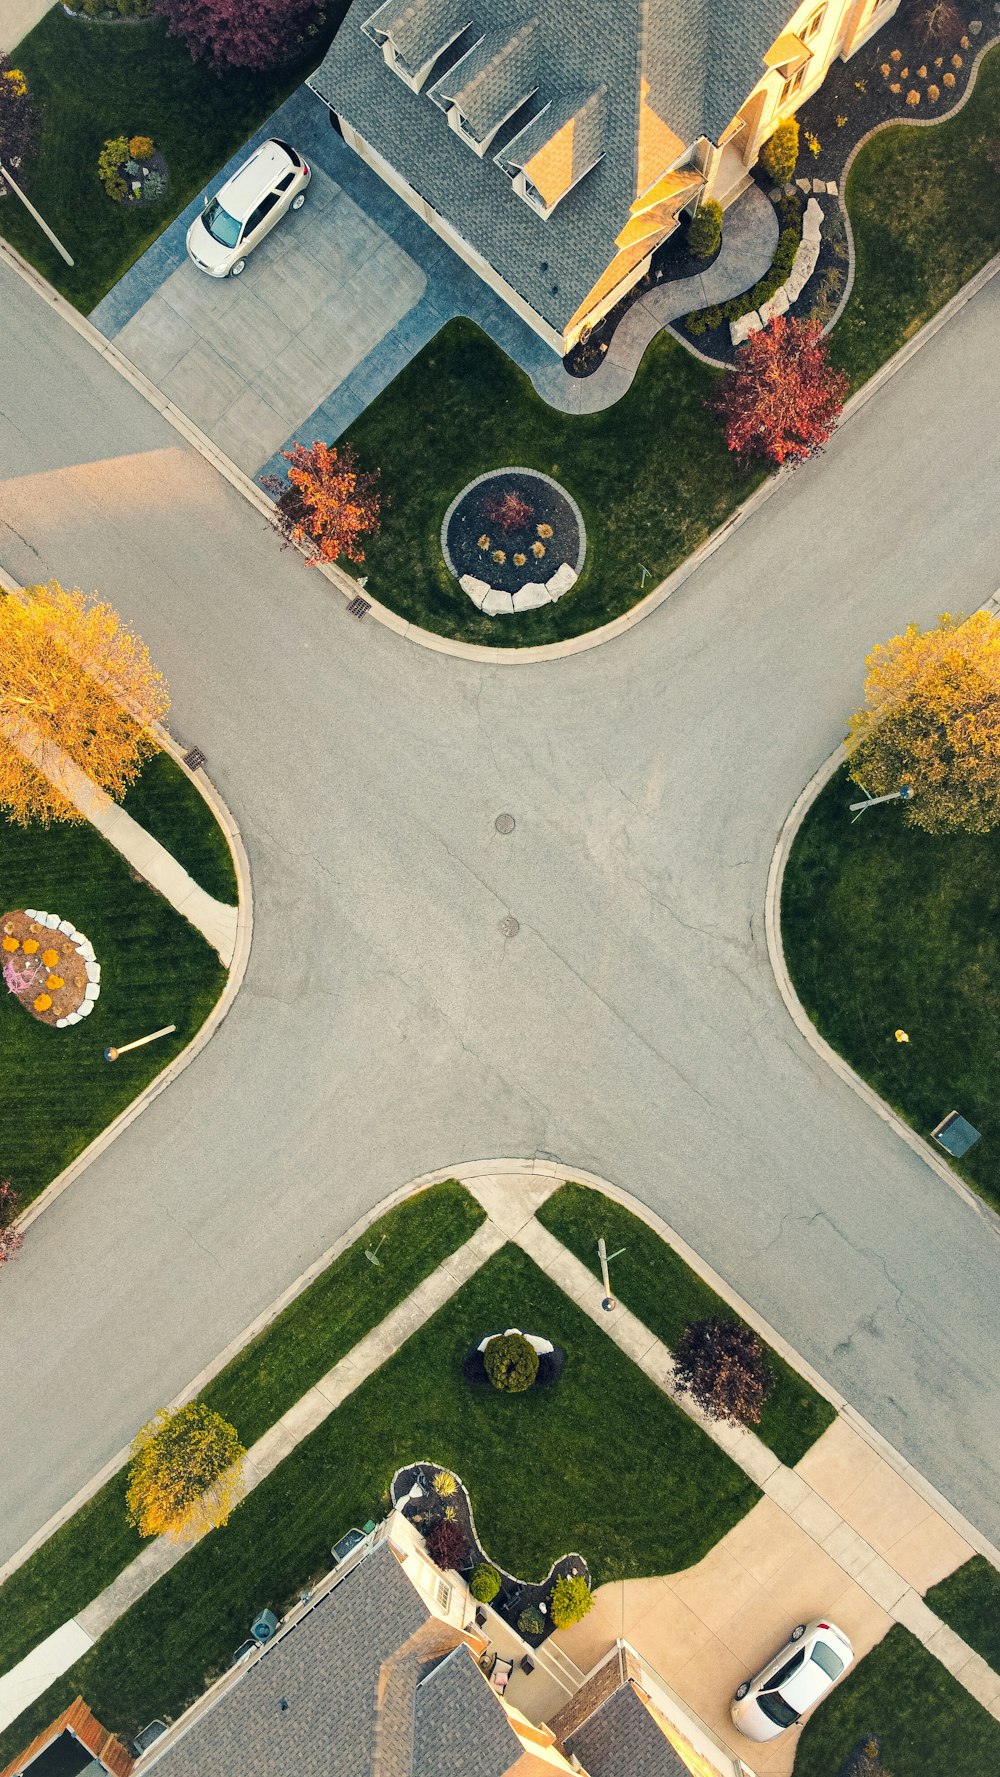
(93, 82)
(969, 1602)
(885, 927)
(655, 1283)
(925, 212)
(349, 1298)
(925, 1723)
(602, 1463)
(156, 969)
(168, 805)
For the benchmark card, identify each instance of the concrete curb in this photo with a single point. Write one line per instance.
(425, 638)
(559, 1173)
(800, 1017)
(234, 979)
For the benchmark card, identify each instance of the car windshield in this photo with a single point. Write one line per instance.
(221, 226)
(827, 1660)
(776, 1709)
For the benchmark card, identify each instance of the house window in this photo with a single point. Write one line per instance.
(812, 24)
(444, 1595)
(792, 86)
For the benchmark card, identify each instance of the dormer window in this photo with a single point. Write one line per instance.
(813, 24)
(413, 35)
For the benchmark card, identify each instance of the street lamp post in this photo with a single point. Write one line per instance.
(903, 794)
(43, 225)
(602, 1252)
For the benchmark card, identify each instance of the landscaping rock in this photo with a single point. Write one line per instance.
(812, 221)
(777, 306)
(789, 189)
(806, 256)
(740, 331)
(832, 188)
(804, 184)
(477, 590)
(529, 596)
(561, 581)
(819, 185)
(497, 603)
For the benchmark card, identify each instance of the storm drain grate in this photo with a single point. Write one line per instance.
(509, 926)
(194, 759)
(505, 823)
(359, 607)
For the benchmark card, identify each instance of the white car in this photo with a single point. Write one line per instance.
(238, 217)
(812, 1660)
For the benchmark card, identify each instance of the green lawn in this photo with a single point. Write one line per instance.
(349, 1298)
(926, 1724)
(602, 1463)
(666, 1295)
(156, 969)
(886, 927)
(651, 475)
(167, 804)
(969, 1602)
(95, 81)
(925, 210)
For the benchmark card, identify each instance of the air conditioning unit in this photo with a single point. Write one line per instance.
(264, 1626)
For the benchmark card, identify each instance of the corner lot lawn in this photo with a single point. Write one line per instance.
(602, 1463)
(654, 1282)
(925, 1723)
(651, 475)
(156, 969)
(925, 210)
(317, 1329)
(95, 81)
(969, 1602)
(885, 927)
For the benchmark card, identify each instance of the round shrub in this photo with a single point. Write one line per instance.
(712, 316)
(781, 151)
(446, 1544)
(140, 147)
(571, 1600)
(484, 1584)
(531, 1621)
(695, 322)
(705, 231)
(444, 1484)
(511, 1362)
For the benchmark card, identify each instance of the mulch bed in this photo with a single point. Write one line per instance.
(28, 966)
(514, 1595)
(471, 520)
(672, 261)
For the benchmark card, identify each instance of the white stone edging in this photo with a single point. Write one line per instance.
(535, 475)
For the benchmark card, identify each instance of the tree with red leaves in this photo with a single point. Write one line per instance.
(720, 1363)
(327, 504)
(782, 399)
(242, 33)
(446, 1544)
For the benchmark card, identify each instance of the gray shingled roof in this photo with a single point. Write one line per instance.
(621, 1739)
(326, 1669)
(459, 1727)
(420, 28)
(589, 110)
(700, 59)
(497, 74)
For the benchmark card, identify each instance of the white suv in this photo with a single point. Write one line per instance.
(246, 209)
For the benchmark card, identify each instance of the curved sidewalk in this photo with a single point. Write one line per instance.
(749, 237)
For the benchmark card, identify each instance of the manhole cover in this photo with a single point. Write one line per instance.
(505, 823)
(509, 926)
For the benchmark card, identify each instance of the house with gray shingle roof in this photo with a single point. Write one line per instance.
(555, 144)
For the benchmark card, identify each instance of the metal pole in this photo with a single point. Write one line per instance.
(113, 1054)
(903, 794)
(602, 1252)
(43, 225)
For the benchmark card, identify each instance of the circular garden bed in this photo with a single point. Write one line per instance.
(133, 171)
(511, 529)
(48, 966)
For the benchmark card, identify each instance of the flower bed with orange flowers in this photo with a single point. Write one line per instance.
(43, 967)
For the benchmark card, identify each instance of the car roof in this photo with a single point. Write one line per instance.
(806, 1686)
(250, 181)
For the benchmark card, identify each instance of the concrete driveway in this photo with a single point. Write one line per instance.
(249, 358)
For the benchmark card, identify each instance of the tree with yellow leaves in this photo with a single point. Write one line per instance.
(932, 720)
(186, 1474)
(71, 676)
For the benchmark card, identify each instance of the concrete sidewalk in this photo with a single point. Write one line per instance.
(18, 17)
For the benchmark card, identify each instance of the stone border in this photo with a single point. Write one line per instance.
(234, 979)
(401, 626)
(800, 1017)
(537, 475)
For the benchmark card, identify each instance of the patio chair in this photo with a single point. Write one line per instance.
(500, 1672)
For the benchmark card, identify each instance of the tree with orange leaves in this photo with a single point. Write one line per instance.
(932, 720)
(73, 677)
(186, 1474)
(327, 503)
(782, 399)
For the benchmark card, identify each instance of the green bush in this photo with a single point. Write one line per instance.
(789, 242)
(511, 1363)
(571, 1600)
(713, 316)
(781, 151)
(110, 161)
(155, 187)
(790, 212)
(484, 1584)
(705, 231)
(695, 322)
(531, 1621)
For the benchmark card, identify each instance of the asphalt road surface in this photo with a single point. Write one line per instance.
(386, 1027)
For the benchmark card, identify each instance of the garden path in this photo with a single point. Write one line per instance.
(843, 1526)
